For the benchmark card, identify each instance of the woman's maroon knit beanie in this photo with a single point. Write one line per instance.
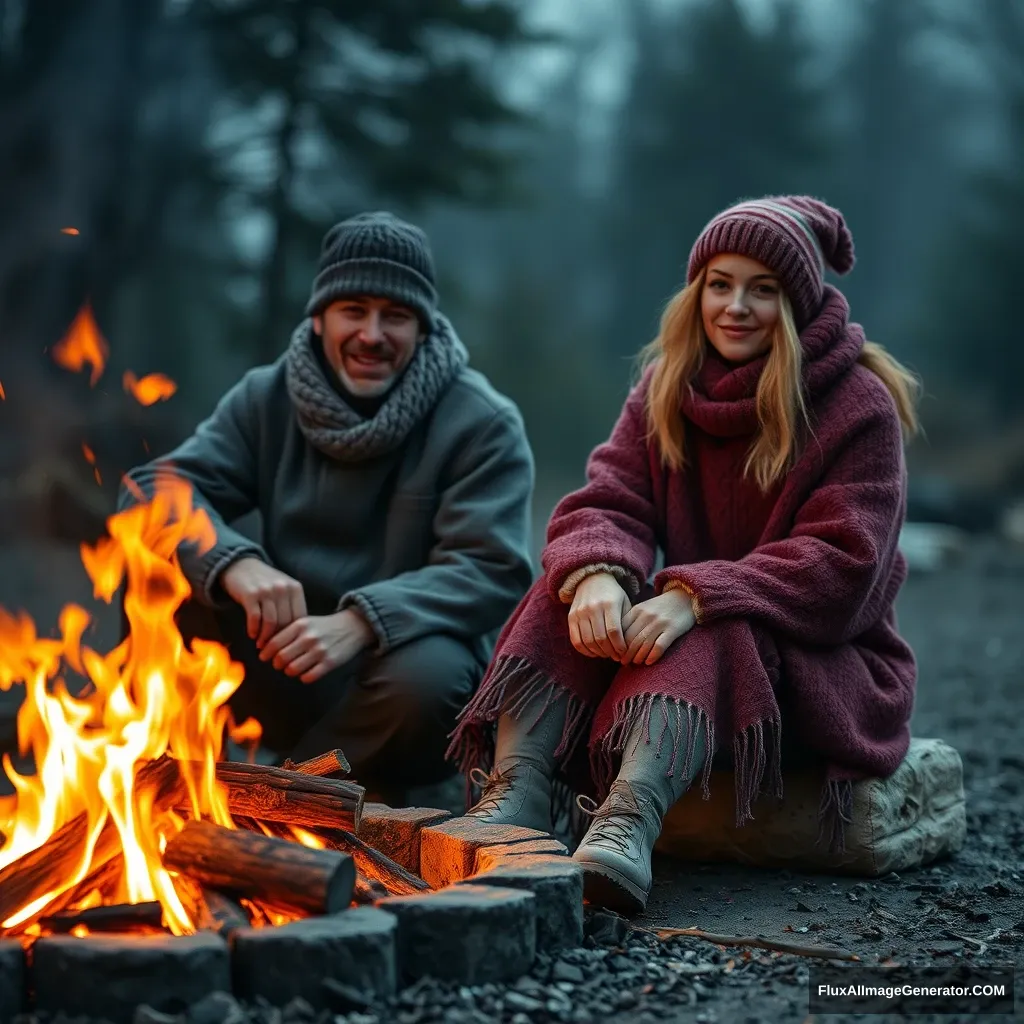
(796, 236)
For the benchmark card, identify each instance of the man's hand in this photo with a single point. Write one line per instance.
(596, 617)
(271, 599)
(314, 645)
(652, 626)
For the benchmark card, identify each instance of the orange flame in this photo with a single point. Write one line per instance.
(150, 696)
(154, 387)
(83, 344)
(3, 394)
(69, 231)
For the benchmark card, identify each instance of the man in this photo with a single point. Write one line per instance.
(394, 487)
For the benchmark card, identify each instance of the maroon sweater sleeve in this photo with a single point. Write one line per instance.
(611, 519)
(831, 578)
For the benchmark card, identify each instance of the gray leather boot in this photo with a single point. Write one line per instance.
(518, 790)
(615, 853)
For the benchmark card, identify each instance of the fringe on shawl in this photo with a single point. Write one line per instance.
(753, 757)
(512, 686)
(835, 813)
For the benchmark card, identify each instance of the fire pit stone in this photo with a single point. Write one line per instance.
(397, 830)
(469, 934)
(356, 949)
(557, 884)
(108, 976)
(448, 850)
(12, 979)
(488, 857)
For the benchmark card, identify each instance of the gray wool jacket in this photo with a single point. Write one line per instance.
(432, 537)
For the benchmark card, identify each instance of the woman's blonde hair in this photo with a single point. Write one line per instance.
(678, 352)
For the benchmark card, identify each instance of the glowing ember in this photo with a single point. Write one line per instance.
(3, 394)
(154, 387)
(69, 231)
(83, 344)
(90, 457)
(148, 697)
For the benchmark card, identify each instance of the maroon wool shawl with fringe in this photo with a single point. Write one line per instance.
(794, 590)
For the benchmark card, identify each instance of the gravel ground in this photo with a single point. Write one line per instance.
(966, 622)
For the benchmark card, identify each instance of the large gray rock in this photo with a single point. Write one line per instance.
(912, 818)
(108, 976)
(470, 934)
(557, 882)
(356, 948)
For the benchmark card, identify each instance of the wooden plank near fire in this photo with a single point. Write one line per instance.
(374, 864)
(117, 917)
(323, 764)
(291, 797)
(259, 867)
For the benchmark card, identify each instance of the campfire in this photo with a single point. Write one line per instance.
(133, 821)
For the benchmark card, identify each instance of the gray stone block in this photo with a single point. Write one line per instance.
(356, 948)
(488, 857)
(557, 883)
(448, 850)
(12, 979)
(108, 976)
(470, 934)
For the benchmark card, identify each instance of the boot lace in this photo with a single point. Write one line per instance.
(615, 820)
(493, 786)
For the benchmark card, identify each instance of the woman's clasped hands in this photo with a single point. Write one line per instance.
(603, 623)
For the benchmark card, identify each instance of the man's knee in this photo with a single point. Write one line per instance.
(433, 677)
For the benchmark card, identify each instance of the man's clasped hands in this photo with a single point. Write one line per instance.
(603, 623)
(298, 644)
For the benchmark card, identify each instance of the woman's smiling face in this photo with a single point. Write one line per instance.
(739, 306)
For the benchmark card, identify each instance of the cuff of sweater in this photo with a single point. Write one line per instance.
(567, 591)
(676, 584)
(364, 606)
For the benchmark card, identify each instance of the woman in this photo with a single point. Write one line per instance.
(762, 454)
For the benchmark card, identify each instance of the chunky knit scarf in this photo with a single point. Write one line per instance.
(336, 429)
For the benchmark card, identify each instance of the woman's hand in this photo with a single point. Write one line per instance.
(596, 617)
(653, 626)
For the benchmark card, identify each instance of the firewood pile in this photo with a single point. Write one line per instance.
(291, 851)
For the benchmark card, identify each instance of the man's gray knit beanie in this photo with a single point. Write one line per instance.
(376, 254)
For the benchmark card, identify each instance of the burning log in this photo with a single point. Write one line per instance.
(28, 879)
(368, 890)
(291, 797)
(276, 871)
(374, 864)
(324, 764)
(208, 909)
(118, 917)
(220, 913)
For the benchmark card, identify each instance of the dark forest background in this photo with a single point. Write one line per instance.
(200, 148)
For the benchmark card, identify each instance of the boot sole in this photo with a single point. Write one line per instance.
(604, 887)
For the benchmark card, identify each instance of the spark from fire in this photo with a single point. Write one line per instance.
(150, 696)
(154, 387)
(83, 344)
(90, 457)
(69, 231)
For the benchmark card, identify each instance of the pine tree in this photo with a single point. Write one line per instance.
(717, 110)
(970, 325)
(389, 100)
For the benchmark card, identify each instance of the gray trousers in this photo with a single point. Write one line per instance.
(391, 714)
